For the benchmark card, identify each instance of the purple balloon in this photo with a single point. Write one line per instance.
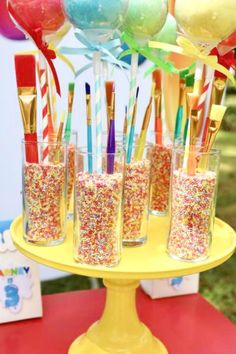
(8, 28)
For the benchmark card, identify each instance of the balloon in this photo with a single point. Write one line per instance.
(168, 33)
(145, 18)
(97, 18)
(46, 15)
(207, 21)
(7, 27)
(227, 44)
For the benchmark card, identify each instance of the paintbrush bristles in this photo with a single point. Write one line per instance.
(25, 66)
(87, 89)
(109, 90)
(157, 79)
(217, 112)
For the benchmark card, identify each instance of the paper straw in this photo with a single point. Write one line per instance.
(53, 100)
(132, 92)
(45, 109)
(98, 108)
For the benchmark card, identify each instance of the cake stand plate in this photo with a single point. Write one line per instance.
(119, 331)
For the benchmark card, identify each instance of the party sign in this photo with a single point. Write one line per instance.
(20, 296)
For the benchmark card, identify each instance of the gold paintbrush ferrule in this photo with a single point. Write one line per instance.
(218, 91)
(213, 129)
(147, 116)
(181, 93)
(88, 110)
(28, 105)
(134, 115)
(157, 103)
(70, 101)
(112, 107)
(187, 91)
(193, 126)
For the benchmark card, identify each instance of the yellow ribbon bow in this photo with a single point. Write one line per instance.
(187, 48)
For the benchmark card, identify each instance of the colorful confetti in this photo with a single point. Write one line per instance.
(160, 179)
(70, 175)
(136, 198)
(98, 218)
(192, 213)
(44, 203)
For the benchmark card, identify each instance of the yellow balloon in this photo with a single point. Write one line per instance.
(207, 21)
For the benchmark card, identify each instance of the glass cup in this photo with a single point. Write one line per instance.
(160, 173)
(98, 213)
(136, 197)
(193, 200)
(44, 192)
(71, 148)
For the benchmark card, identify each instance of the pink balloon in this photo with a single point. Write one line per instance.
(47, 15)
(7, 27)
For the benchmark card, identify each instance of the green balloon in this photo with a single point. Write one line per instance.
(168, 33)
(145, 18)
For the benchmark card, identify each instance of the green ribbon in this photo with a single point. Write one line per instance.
(147, 52)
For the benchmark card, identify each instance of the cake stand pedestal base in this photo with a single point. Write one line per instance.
(119, 331)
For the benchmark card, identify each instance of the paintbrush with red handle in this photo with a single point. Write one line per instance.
(25, 67)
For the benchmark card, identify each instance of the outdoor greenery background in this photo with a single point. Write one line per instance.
(217, 285)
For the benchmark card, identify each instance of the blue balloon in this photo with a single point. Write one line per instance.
(127, 59)
(97, 18)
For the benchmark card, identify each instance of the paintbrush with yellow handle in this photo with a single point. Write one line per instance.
(189, 163)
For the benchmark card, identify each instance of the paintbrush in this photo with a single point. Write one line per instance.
(218, 89)
(157, 79)
(216, 116)
(89, 127)
(125, 126)
(111, 143)
(143, 135)
(71, 91)
(180, 111)
(215, 119)
(192, 162)
(59, 138)
(25, 67)
(109, 87)
(132, 129)
(189, 82)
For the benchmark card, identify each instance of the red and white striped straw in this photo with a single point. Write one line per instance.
(45, 109)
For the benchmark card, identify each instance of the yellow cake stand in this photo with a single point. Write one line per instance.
(119, 331)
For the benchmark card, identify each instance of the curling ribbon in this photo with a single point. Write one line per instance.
(228, 60)
(147, 53)
(109, 51)
(37, 37)
(186, 47)
(58, 54)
